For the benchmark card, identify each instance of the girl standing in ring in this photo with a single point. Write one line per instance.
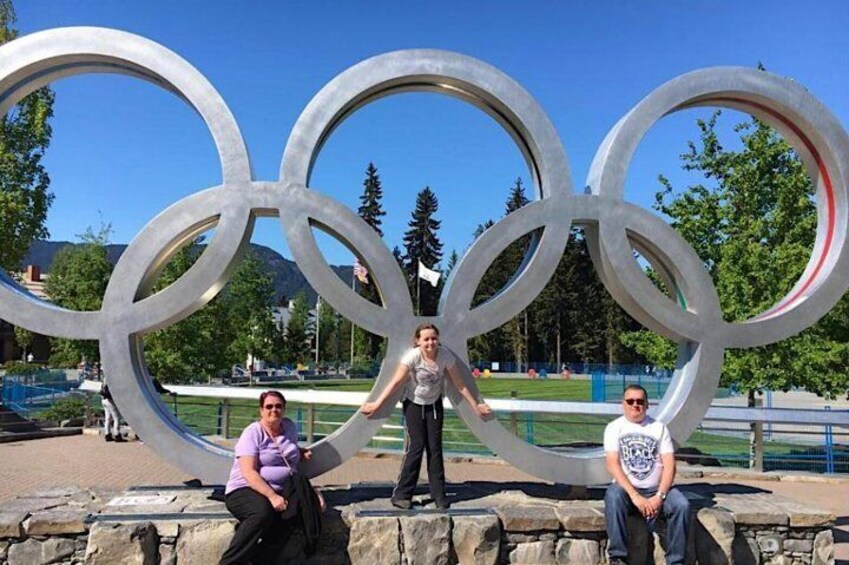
(423, 369)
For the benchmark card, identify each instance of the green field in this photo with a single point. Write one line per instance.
(550, 430)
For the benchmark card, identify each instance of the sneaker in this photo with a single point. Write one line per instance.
(109, 437)
(442, 504)
(119, 439)
(402, 504)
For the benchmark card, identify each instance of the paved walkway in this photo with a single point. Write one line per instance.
(88, 461)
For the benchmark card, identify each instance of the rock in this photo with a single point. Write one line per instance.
(577, 551)
(4, 546)
(754, 510)
(55, 492)
(769, 543)
(374, 540)
(803, 516)
(580, 519)
(823, 548)
(798, 545)
(745, 551)
(126, 544)
(30, 505)
(534, 553)
(715, 532)
(10, 524)
(528, 518)
(167, 554)
(34, 552)
(204, 541)
(427, 538)
(476, 539)
(56, 521)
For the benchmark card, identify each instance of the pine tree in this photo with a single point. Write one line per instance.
(371, 209)
(422, 244)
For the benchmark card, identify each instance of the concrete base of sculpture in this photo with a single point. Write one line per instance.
(487, 523)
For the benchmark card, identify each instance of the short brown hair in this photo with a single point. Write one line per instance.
(268, 393)
(635, 387)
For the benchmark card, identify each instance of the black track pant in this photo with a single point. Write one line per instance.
(257, 519)
(424, 433)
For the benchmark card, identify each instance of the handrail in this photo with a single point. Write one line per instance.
(339, 398)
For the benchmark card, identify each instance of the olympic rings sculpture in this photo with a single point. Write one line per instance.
(613, 228)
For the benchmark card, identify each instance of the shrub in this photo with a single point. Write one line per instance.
(72, 406)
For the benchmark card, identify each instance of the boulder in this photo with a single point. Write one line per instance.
(823, 548)
(55, 522)
(374, 540)
(476, 539)
(427, 538)
(128, 544)
(577, 551)
(34, 552)
(533, 553)
(715, 532)
(204, 541)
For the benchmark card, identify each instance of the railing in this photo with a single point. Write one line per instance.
(800, 439)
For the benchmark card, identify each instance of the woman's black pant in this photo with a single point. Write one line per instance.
(424, 434)
(257, 519)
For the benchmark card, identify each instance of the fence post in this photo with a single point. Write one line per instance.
(310, 423)
(757, 459)
(514, 418)
(829, 447)
(225, 418)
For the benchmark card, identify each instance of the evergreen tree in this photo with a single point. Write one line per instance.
(422, 244)
(371, 210)
(299, 330)
(24, 137)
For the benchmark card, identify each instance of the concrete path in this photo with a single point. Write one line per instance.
(87, 461)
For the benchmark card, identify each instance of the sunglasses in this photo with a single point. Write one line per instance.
(637, 401)
(271, 406)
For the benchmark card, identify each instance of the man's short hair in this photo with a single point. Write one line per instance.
(635, 387)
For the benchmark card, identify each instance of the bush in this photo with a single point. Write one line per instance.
(72, 406)
(18, 368)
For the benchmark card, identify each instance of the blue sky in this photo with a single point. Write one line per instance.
(126, 150)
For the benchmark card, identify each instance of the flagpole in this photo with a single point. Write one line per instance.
(354, 288)
(317, 328)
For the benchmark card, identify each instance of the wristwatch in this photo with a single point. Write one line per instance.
(661, 494)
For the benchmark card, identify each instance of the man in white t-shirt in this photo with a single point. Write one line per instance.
(641, 459)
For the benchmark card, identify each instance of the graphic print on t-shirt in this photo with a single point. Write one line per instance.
(638, 453)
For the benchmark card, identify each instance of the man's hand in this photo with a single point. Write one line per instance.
(642, 503)
(655, 504)
(483, 409)
(278, 502)
(369, 408)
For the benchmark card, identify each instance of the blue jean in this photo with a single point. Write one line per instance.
(676, 510)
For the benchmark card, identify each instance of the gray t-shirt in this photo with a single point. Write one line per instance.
(426, 378)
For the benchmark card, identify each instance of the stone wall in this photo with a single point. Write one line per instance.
(182, 526)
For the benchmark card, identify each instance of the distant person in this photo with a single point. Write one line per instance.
(423, 369)
(641, 459)
(157, 386)
(111, 416)
(260, 492)
(30, 357)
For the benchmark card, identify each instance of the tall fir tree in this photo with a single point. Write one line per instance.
(370, 210)
(422, 244)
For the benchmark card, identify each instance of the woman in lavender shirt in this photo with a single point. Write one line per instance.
(259, 489)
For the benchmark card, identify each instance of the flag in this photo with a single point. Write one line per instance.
(430, 276)
(360, 271)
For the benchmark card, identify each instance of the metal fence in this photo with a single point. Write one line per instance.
(798, 440)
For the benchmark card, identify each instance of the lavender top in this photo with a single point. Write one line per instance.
(255, 442)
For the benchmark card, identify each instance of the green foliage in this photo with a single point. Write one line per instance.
(24, 137)
(20, 368)
(78, 279)
(370, 210)
(299, 330)
(753, 224)
(24, 338)
(66, 408)
(422, 243)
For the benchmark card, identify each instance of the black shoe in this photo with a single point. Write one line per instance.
(109, 437)
(402, 504)
(442, 504)
(119, 439)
